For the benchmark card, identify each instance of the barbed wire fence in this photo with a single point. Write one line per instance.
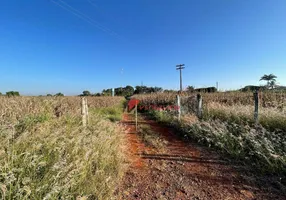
(257, 102)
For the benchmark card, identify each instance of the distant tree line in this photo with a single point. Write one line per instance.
(11, 93)
(16, 93)
(206, 90)
(270, 85)
(147, 90)
(56, 95)
(129, 90)
(124, 91)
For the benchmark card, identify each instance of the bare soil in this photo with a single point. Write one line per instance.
(187, 170)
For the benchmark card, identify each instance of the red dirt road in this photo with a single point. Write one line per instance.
(186, 171)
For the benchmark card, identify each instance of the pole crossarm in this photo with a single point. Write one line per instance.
(180, 67)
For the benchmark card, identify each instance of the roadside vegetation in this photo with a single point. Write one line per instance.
(228, 125)
(151, 138)
(112, 113)
(45, 152)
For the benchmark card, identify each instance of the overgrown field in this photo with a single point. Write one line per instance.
(228, 125)
(267, 99)
(45, 153)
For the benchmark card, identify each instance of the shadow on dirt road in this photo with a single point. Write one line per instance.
(186, 171)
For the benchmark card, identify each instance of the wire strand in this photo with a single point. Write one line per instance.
(83, 16)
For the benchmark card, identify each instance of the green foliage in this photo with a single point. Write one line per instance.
(49, 95)
(206, 90)
(129, 91)
(146, 90)
(113, 113)
(126, 91)
(190, 89)
(270, 79)
(107, 92)
(86, 93)
(59, 94)
(252, 88)
(12, 93)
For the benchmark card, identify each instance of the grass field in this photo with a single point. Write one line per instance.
(45, 153)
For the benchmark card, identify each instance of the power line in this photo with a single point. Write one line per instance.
(83, 16)
(103, 12)
(180, 67)
(92, 3)
(92, 20)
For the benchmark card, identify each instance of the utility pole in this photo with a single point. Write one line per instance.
(180, 67)
(121, 80)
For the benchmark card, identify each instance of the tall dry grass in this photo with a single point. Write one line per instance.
(266, 98)
(238, 106)
(45, 153)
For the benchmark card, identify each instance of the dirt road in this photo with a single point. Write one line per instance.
(185, 170)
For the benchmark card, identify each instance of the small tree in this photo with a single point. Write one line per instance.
(271, 80)
(86, 93)
(272, 84)
(107, 92)
(12, 93)
(190, 89)
(59, 94)
(49, 95)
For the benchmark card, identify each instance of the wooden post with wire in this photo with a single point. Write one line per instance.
(84, 111)
(136, 117)
(179, 107)
(256, 105)
(200, 105)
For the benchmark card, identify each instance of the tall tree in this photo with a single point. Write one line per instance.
(271, 80)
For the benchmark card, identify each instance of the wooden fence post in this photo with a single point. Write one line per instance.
(256, 104)
(179, 107)
(84, 111)
(200, 105)
(136, 117)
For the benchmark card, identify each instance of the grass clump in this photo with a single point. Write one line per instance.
(150, 137)
(113, 113)
(55, 157)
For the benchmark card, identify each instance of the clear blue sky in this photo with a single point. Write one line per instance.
(45, 48)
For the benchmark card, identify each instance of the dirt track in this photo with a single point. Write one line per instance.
(185, 171)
